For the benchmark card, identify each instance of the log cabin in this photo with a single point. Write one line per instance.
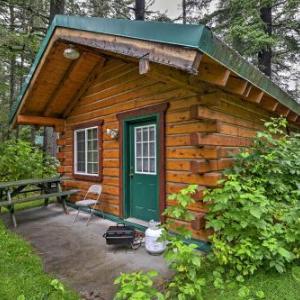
(145, 108)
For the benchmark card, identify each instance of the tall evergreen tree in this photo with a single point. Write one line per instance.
(57, 7)
(22, 24)
(187, 7)
(267, 32)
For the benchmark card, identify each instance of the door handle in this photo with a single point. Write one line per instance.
(131, 173)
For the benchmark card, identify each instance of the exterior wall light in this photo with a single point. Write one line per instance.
(112, 133)
(71, 53)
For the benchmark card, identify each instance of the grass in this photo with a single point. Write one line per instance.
(21, 272)
(275, 286)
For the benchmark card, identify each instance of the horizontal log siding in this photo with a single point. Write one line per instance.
(118, 88)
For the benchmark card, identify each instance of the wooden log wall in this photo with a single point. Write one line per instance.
(202, 130)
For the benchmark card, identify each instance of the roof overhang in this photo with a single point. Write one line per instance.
(184, 47)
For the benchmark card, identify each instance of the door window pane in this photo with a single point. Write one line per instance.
(152, 134)
(145, 133)
(152, 149)
(145, 149)
(145, 165)
(138, 149)
(152, 165)
(139, 165)
(138, 134)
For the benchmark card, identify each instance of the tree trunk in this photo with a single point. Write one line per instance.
(184, 11)
(265, 55)
(12, 64)
(57, 7)
(140, 9)
(12, 80)
(32, 135)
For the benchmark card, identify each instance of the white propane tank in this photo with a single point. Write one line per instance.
(152, 234)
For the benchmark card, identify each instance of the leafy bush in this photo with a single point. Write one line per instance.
(255, 214)
(187, 282)
(20, 160)
(137, 286)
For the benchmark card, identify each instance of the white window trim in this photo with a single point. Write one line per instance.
(75, 151)
(155, 152)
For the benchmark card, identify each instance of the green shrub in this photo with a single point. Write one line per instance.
(255, 214)
(20, 160)
(137, 286)
(187, 282)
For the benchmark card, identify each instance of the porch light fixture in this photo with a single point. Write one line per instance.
(112, 133)
(71, 53)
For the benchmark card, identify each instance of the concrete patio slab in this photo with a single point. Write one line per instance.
(77, 254)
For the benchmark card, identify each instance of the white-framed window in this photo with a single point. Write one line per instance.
(145, 149)
(86, 151)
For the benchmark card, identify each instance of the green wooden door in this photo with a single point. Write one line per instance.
(143, 170)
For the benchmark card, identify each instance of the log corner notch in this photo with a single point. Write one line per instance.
(58, 124)
(199, 222)
(205, 166)
(292, 117)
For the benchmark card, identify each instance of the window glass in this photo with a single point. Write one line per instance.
(80, 151)
(145, 149)
(86, 151)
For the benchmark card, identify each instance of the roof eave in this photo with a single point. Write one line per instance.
(197, 38)
(234, 62)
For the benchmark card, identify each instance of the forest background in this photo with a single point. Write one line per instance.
(265, 32)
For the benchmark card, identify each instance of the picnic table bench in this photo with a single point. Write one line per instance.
(43, 189)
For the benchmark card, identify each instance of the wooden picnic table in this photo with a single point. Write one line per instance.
(37, 189)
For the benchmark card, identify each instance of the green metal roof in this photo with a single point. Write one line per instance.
(197, 37)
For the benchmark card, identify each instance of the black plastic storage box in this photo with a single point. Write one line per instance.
(120, 235)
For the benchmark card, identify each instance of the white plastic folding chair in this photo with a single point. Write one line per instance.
(95, 189)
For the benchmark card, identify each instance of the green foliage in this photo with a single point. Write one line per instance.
(247, 30)
(187, 282)
(180, 211)
(57, 292)
(22, 27)
(20, 160)
(296, 273)
(255, 214)
(22, 275)
(264, 284)
(240, 24)
(137, 286)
